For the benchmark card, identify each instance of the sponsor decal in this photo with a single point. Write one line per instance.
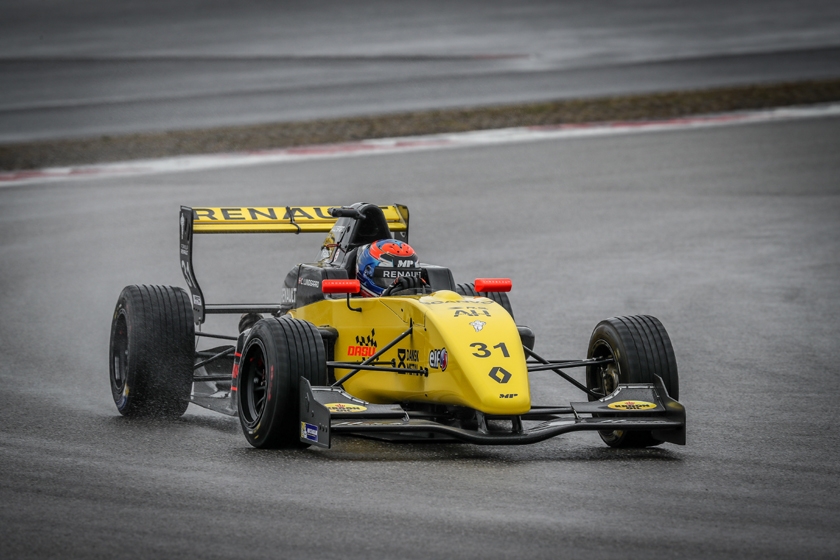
(471, 312)
(632, 405)
(309, 282)
(628, 421)
(367, 340)
(477, 325)
(471, 300)
(439, 359)
(408, 358)
(365, 345)
(363, 351)
(185, 268)
(196, 299)
(508, 395)
(407, 354)
(405, 263)
(308, 431)
(345, 407)
(185, 250)
(381, 272)
(185, 227)
(287, 295)
(260, 214)
(500, 375)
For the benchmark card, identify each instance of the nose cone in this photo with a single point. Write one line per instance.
(486, 362)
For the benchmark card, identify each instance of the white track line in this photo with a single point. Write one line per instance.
(405, 144)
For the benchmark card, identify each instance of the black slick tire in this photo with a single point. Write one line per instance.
(641, 349)
(276, 354)
(152, 351)
(468, 289)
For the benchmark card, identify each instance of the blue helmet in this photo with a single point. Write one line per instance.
(381, 263)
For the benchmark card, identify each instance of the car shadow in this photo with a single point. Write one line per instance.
(360, 449)
(350, 448)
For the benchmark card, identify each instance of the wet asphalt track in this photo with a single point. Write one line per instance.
(73, 68)
(728, 235)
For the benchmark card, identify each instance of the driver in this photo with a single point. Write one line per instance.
(381, 264)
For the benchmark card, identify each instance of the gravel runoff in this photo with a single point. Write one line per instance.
(55, 153)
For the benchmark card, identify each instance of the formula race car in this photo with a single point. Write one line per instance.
(426, 359)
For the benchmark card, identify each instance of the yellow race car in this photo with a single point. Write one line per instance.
(423, 358)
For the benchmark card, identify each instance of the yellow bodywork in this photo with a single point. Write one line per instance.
(485, 367)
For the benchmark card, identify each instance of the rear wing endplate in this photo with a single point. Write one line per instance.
(259, 219)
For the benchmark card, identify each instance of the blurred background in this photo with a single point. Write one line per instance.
(88, 68)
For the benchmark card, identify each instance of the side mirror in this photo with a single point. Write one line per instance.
(493, 284)
(340, 286)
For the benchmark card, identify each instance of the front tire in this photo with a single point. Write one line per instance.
(276, 354)
(151, 351)
(641, 348)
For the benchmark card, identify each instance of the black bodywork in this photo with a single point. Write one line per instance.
(359, 224)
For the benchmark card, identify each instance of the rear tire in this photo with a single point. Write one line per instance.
(641, 348)
(468, 289)
(276, 354)
(152, 351)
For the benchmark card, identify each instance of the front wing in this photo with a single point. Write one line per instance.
(638, 407)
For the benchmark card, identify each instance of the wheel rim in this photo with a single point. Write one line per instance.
(120, 359)
(252, 385)
(607, 376)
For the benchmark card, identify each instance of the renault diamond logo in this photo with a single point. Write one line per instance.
(500, 375)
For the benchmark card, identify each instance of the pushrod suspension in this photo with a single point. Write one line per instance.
(359, 366)
(221, 336)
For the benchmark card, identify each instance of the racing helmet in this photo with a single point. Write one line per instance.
(381, 263)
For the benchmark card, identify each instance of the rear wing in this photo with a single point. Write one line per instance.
(260, 219)
(281, 219)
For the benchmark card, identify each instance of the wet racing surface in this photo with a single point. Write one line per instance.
(728, 235)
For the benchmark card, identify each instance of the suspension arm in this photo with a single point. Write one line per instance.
(549, 366)
(221, 354)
